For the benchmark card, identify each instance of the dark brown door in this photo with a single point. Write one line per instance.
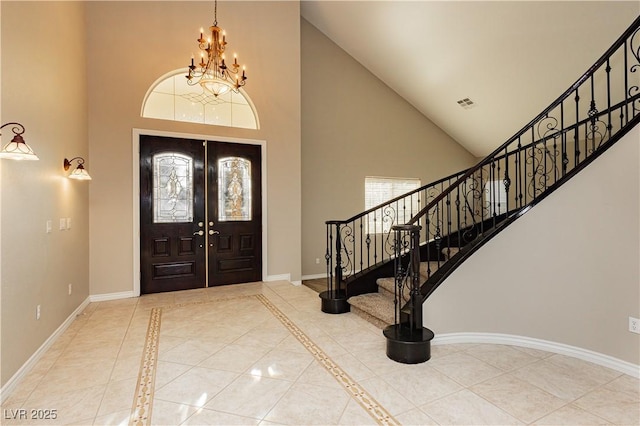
(184, 228)
(172, 214)
(235, 213)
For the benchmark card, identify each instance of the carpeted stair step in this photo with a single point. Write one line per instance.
(386, 285)
(376, 308)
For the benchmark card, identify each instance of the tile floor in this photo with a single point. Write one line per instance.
(264, 354)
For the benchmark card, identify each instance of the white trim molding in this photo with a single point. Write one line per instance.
(543, 345)
(111, 296)
(11, 384)
(281, 277)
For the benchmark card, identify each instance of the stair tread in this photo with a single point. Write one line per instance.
(377, 305)
(389, 283)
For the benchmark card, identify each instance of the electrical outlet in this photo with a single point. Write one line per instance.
(317, 260)
(63, 224)
(634, 325)
(38, 312)
(70, 288)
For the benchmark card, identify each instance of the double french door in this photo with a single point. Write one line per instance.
(200, 213)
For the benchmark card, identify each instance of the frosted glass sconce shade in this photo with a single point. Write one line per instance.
(79, 173)
(17, 149)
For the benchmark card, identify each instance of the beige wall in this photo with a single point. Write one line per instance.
(135, 43)
(586, 237)
(353, 126)
(44, 88)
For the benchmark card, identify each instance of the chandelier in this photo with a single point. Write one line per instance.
(212, 72)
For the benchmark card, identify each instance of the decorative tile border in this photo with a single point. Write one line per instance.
(143, 400)
(357, 392)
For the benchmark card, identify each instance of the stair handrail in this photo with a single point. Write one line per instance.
(628, 34)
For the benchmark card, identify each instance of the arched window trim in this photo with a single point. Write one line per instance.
(183, 71)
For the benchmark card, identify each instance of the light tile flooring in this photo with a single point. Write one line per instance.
(263, 353)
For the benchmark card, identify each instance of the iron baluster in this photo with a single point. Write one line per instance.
(565, 158)
(506, 182)
(519, 173)
(338, 273)
(576, 138)
(608, 70)
(592, 115)
(329, 258)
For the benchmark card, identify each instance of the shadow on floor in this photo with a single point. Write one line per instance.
(317, 285)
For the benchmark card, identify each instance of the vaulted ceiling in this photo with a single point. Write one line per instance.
(510, 58)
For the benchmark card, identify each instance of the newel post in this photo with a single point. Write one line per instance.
(334, 300)
(415, 298)
(408, 341)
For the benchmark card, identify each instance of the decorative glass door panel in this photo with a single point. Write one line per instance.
(234, 189)
(172, 188)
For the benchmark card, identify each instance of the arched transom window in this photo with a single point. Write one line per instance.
(171, 98)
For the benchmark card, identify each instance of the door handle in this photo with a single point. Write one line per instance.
(212, 232)
(201, 232)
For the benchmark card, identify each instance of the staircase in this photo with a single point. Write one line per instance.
(386, 276)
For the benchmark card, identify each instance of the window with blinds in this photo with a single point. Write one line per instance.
(378, 190)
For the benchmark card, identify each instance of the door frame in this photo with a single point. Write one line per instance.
(135, 137)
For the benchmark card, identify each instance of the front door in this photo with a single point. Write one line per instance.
(235, 213)
(200, 214)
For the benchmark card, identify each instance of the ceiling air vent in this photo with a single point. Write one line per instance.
(466, 103)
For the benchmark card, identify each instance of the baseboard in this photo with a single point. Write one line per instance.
(11, 384)
(111, 296)
(281, 277)
(544, 345)
(314, 277)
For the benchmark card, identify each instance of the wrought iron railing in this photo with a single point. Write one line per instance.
(366, 240)
(595, 112)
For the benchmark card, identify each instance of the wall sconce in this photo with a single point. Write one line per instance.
(79, 173)
(17, 149)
